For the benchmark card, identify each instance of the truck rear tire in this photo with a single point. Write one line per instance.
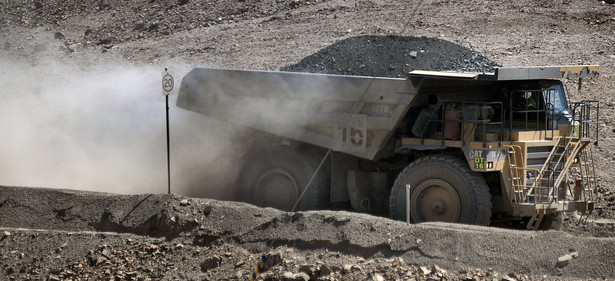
(442, 188)
(275, 178)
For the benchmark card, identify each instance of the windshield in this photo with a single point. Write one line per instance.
(556, 96)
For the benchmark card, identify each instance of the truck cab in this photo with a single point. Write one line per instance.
(519, 126)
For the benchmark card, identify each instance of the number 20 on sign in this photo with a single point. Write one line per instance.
(168, 83)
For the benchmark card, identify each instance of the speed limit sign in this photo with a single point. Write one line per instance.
(167, 83)
(167, 89)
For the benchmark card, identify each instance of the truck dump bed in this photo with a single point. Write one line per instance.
(351, 114)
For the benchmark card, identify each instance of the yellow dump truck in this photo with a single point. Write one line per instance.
(471, 148)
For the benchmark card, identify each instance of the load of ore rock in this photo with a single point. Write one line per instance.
(392, 56)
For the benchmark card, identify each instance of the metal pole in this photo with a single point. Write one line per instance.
(310, 181)
(168, 146)
(597, 119)
(408, 203)
(354, 109)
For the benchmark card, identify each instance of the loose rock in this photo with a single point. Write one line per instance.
(308, 269)
(377, 277)
(397, 261)
(325, 270)
(210, 263)
(104, 41)
(301, 276)
(563, 261)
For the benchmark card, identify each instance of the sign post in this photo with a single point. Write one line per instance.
(167, 88)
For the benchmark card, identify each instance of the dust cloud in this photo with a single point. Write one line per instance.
(102, 128)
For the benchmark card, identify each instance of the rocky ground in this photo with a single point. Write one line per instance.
(138, 237)
(58, 235)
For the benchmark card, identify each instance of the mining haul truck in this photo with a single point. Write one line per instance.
(472, 148)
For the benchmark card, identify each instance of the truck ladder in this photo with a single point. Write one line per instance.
(585, 186)
(544, 188)
(520, 189)
(587, 174)
(559, 161)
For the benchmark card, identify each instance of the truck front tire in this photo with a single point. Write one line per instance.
(442, 188)
(276, 177)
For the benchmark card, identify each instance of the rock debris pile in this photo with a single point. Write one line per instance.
(392, 56)
(152, 237)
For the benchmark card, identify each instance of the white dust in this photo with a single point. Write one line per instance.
(102, 128)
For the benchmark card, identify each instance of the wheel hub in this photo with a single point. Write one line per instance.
(438, 207)
(435, 200)
(277, 188)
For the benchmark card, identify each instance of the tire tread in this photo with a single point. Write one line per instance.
(478, 186)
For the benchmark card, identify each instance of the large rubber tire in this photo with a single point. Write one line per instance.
(275, 178)
(442, 188)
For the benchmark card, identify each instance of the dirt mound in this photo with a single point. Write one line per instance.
(189, 225)
(392, 56)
